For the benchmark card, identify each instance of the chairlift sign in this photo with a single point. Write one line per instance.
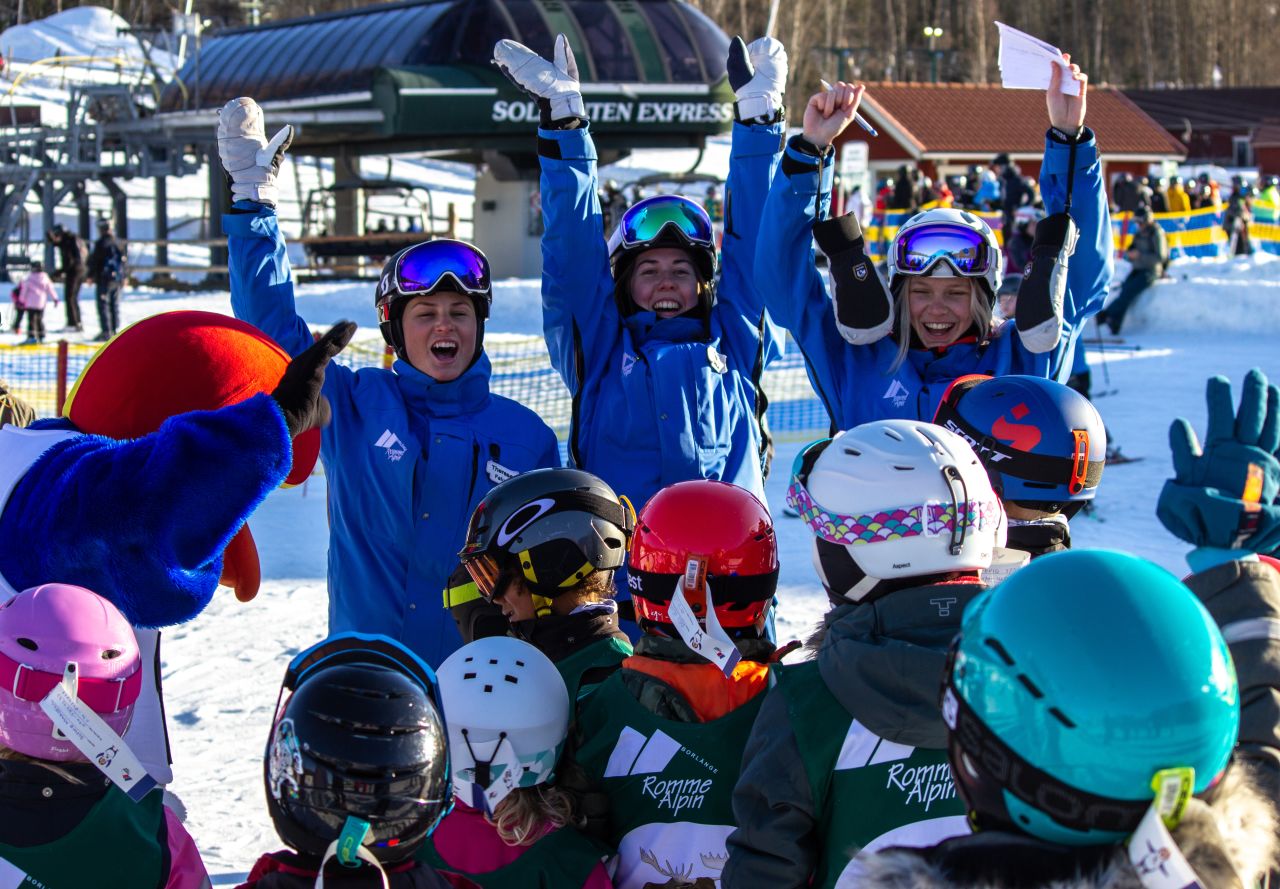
(625, 112)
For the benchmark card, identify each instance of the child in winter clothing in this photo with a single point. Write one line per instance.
(357, 769)
(1052, 713)
(1043, 446)
(543, 546)
(411, 450)
(15, 296)
(508, 714)
(63, 822)
(663, 737)
(848, 751)
(35, 292)
(886, 352)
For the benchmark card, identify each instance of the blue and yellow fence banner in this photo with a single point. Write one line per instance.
(1197, 233)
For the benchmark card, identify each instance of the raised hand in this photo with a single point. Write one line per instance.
(1222, 495)
(830, 111)
(758, 75)
(553, 84)
(1066, 112)
(298, 392)
(250, 161)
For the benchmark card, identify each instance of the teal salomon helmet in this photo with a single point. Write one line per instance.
(1072, 683)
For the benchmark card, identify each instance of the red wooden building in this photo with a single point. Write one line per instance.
(944, 128)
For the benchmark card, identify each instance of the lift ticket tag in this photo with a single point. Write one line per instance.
(712, 643)
(94, 738)
(1153, 852)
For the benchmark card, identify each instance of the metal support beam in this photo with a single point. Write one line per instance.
(219, 203)
(162, 220)
(48, 205)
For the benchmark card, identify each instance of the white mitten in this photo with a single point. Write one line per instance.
(758, 77)
(553, 84)
(250, 160)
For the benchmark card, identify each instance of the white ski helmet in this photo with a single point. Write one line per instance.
(958, 238)
(894, 499)
(507, 712)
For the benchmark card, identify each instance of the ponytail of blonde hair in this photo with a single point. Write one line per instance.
(527, 813)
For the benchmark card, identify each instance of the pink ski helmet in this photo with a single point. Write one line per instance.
(44, 628)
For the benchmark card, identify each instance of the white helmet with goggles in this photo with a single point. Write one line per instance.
(956, 239)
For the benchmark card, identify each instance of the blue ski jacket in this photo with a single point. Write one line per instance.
(407, 458)
(657, 401)
(854, 382)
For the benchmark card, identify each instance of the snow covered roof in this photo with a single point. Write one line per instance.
(981, 120)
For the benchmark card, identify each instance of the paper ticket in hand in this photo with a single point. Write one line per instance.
(95, 739)
(1025, 61)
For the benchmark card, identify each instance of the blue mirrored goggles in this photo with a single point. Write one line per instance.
(963, 248)
(649, 220)
(427, 267)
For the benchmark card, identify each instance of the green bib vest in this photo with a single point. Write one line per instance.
(669, 784)
(868, 793)
(119, 845)
(606, 653)
(563, 859)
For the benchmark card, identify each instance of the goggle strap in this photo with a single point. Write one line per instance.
(1025, 781)
(1043, 468)
(730, 590)
(101, 695)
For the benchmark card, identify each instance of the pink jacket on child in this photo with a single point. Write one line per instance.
(36, 291)
(469, 843)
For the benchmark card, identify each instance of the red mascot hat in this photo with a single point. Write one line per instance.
(174, 363)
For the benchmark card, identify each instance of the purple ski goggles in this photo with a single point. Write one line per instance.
(426, 267)
(963, 248)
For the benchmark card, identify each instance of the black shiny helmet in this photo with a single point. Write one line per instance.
(557, 526)
(360, 738)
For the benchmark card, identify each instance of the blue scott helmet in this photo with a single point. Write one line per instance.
(1042, 443)
(1072, 683)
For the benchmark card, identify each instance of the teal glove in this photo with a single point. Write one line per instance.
(1224, 496)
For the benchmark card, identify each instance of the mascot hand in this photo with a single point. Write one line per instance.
(298, 392)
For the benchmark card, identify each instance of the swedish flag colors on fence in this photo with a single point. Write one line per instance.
(1198, 233)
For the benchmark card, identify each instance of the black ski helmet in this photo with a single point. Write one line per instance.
(559, 525)
(358, 740)
(390, 297)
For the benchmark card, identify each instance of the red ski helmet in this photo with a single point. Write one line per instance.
(723, 527)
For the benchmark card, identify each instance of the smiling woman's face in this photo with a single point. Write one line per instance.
(664, 282)
(440, 334)
(941, 309)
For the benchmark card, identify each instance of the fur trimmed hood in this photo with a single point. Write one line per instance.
(1231, 843)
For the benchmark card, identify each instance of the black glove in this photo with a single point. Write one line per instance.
(1044, 285)
(298, 392)
(863, 305)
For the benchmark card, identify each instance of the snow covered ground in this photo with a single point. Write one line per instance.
(222, 670)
